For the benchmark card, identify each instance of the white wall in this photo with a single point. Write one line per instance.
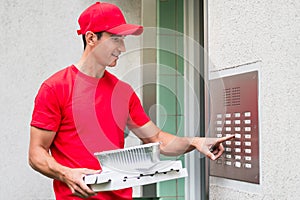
(38, 38)
(246, 31)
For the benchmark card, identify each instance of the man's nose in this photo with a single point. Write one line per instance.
(122, 45)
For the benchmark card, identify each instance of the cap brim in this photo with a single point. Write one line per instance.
(126, 29)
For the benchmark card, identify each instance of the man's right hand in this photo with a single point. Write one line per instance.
(74, 179)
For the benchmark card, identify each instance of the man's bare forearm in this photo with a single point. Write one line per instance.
(41, 161)
(39, 156)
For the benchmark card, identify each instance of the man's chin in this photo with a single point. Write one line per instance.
(113, 64)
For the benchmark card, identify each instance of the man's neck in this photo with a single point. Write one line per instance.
(90, 67)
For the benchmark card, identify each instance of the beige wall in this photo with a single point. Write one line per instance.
(245, 31)
(38, 38)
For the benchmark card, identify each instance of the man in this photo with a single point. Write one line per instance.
(84, 109)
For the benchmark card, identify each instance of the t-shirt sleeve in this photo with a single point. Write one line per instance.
(46, 113)
(137, 115)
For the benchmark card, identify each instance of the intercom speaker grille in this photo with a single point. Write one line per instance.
(227, 97)
(232, 96)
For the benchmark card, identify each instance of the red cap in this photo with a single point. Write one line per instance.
(106, 17)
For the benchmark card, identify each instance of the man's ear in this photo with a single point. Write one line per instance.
(90, 38)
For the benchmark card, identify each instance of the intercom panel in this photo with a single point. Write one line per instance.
(234, 110)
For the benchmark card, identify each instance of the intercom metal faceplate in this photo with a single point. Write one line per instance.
(234, 110)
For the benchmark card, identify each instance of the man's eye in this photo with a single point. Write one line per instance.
(115, 39)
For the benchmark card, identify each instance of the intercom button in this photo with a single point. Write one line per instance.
(237, 121)
(247, 121)
(248, 151)
(237, 114)
(227, 162)
(227, 128)
(247, 114)
(248, 144)
(219, 161)
(247, 136)
(237, 164)
(228, 156)
(237, 157)
(237, 150)
(219, 122)
(248, 158)
(237, 128)
(248, 165)
(247, 129)
(227, 122)
(227, 115)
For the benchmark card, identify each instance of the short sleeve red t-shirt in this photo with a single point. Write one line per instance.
(88, 115)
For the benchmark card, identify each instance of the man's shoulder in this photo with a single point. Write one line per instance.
(116, 82)
(60, 77)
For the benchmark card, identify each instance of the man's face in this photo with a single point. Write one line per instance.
(108, 49)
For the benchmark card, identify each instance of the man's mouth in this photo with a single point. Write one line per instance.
(115, 55)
